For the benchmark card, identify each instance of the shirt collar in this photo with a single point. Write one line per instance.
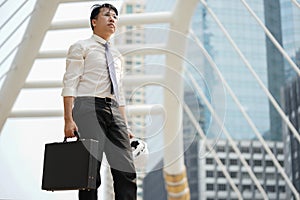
(99, 39)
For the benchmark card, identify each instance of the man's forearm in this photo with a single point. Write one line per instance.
(70, 125)
(123, 113)
(68, 105)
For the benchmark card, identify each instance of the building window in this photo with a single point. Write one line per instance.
(209, 187)
(233, 162)
(259, 175)
(269, 163)
(220, 174)
(245, 175)
(257, 163)
(209, 174)
(233, 174)
(270, 188)
(282, 189)
(281, 163)
(256, 150)
(245, 150)
(129, 27)
(280, 151)
(209, 161)
(223, 161)
(129, 9)
(221, 187)
(220, 149)
(246, 187)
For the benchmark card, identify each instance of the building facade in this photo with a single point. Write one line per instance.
(251, 40)
(291, 98)
(290, 17)
(214, 184)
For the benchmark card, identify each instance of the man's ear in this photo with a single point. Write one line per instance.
(94, 22)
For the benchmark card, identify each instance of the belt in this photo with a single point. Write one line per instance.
(106, 100)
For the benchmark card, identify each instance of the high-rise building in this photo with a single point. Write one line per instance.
(251, 40)
(214, 185)
(291, 98)
(290, 17)
(275, 65)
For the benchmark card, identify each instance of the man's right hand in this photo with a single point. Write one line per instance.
(70, 127)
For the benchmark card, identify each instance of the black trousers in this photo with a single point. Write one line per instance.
(100, 119)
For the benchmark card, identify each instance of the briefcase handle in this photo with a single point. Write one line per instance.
(76, 135)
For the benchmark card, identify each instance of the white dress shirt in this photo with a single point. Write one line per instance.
(86, 70)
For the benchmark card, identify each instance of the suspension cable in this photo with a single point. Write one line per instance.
(15, 29)
(3, 3)
(296, 3)
(9, 18)
(10, 52)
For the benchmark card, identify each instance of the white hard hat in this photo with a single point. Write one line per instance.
(140, 152)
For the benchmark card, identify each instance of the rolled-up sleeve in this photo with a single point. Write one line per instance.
(74, 70)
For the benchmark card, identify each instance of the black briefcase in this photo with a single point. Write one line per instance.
(70, 165)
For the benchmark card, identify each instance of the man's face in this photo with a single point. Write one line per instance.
(106, 22)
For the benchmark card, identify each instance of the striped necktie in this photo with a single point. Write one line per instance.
(112, 72)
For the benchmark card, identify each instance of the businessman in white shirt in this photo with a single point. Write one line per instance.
(94, 103)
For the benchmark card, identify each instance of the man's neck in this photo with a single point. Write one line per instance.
(104, 37)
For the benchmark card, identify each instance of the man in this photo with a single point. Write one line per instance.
(92, 82)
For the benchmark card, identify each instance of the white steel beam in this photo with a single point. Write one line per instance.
(42, 84)
(127, 19)
(38, 25)
(173, 95)
(36, 113)
(129, 81)
(149, 49)
(131, 109)
(52, 54)
(73, 1)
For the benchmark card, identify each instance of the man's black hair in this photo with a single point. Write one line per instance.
(96, 10)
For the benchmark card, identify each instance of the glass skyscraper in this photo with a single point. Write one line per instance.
(290, 17)
(251, 40)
